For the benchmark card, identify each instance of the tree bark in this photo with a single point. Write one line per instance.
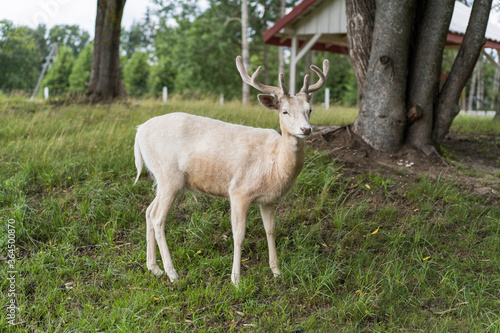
(480, 85)
(381, 120)
(281, 54)
(360, 22)
(472, 89)
(105, 79)
(266, 64)
(431, 24)
(244, 48)
(447, 107)
(497, 109)
(496, 84)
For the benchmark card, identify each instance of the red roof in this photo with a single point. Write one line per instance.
(271, 38)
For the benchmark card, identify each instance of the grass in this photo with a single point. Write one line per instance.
(362, 253)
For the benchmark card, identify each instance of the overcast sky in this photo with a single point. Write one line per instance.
(53, 12)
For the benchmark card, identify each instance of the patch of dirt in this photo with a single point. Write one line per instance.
(473, 160)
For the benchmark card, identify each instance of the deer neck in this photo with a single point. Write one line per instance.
(289, 160)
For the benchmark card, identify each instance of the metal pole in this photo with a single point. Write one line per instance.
(44, 69)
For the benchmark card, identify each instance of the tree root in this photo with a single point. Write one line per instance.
(430, 150)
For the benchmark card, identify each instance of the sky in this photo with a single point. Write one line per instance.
(54, 12)
(80, 12)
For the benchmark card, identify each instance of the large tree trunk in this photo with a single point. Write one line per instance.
(402, 102)
(432, 22)
(382, 118)
(105, 79)
(360, 21)
(244, 48)
(447, 107)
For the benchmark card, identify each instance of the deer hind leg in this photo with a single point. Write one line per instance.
(267, 213)
(155, 219)
(239, 210)
(151, 242)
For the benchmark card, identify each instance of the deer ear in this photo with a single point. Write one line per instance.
(269, 101)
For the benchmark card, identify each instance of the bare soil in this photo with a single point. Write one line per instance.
(469, 159)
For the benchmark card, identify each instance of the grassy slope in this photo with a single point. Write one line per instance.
(66, 178)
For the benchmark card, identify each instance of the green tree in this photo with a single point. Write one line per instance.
(20, 58)
(140, 36)
(80, 75)
(57, 78)
(71, 36)
(162, 75)
(136, 74)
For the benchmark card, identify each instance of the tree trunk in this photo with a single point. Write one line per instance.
(432, 22)
(105, 79)
(244, 48)
(266, 64)
(281, 55)
(382, 118)
(447, 107)
(496, 84)
(497, 113)
(480, 85)
(360, 22)
(472, 89)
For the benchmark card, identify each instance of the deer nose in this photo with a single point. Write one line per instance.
(306, 130)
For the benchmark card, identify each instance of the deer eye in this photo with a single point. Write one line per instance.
(310, 111)
(284, 112)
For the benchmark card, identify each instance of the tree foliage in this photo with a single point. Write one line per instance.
(80, 75)
(71, 36)
(136, 74)
(57, 78)
(20, 57)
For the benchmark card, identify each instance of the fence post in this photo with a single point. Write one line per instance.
(165, 94)
(221, 99)
(46, 92)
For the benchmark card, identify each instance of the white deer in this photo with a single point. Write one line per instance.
(245, 164)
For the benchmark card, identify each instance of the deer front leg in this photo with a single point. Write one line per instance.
(267, 213)
(239, 210)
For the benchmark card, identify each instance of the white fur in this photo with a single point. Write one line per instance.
(245, 164)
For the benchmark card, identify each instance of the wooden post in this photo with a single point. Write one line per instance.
(165, 95)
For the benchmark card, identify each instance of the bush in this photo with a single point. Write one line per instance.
(80, 75)
(57, 78)
(136, 74)
(162, 75)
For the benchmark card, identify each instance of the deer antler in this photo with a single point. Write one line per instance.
(256, 84)
(306, 88)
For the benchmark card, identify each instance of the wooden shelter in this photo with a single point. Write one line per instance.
(321, 25)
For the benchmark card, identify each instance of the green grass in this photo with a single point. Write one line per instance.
(475, 124)
(387, 257)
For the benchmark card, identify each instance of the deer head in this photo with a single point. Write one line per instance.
(294, 111)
